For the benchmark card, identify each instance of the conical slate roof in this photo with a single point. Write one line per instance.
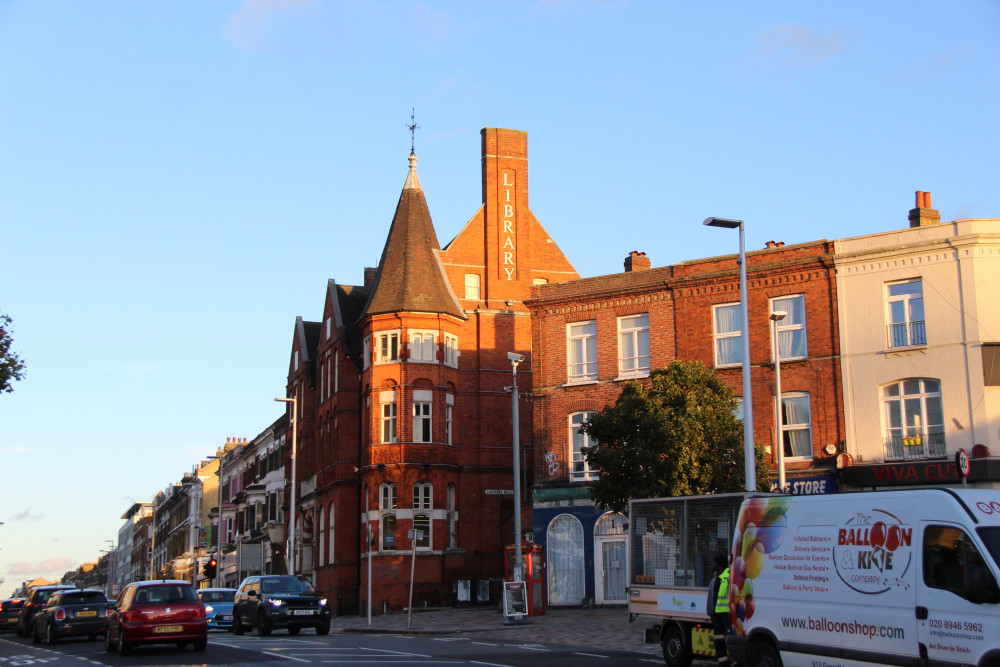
(410, 276)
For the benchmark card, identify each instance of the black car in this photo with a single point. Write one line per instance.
(267, 602)
(72, 613)
(36, 599)
(10, 609)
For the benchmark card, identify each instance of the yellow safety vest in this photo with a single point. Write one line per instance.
(722, 601)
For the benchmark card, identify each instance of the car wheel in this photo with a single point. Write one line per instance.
(124, 648)
(35, 637)
(201, 644)
(263, 624)
(50, 634)
(323, 628)
(294, 630)
(91, 637)
(676, 651)
(109, 645)
(237, 628)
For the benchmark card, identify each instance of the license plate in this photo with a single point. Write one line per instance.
(11, 620)
(223, 617)
(304, 612)
(86, 613)
(168, 628)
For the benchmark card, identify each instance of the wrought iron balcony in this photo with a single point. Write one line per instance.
(918, 446)
(907, 334)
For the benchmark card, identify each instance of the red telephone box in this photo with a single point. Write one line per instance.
(534, 573)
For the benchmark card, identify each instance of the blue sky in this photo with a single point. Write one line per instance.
(178, 180)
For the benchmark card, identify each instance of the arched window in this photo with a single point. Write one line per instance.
(331, 555)
(564, 560)
(321, 552)
(387, 496)
(387, 510)
(422, 496)
(452, 518)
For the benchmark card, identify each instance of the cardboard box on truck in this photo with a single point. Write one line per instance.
(903, 577)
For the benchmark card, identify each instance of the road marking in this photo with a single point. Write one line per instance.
(489, 664)
(590, 655)
(486, 644)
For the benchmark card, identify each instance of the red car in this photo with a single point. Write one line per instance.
(157, 612)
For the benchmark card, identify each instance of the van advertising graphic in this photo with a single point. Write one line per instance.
(873, 552)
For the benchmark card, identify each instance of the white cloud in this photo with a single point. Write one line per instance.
(250, 25)
(929, 68)
(793, 47)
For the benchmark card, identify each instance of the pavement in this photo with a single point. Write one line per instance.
(595, 628)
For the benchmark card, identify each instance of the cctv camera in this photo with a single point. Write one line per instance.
(515, 357)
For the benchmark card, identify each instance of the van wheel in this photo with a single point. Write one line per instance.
(764, 655)
(676, 652)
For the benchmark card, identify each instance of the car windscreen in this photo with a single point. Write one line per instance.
(165, 593)
(215, 597)
(89, 597)
(292, 585)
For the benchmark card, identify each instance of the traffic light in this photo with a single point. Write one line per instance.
(209, 568)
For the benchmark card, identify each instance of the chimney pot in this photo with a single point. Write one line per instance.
(636, 261)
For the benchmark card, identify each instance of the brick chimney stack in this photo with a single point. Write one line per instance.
(923, 214)
(370, 273)
(636, 261)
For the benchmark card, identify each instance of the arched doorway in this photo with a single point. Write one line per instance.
(564, 560)
(610, 559)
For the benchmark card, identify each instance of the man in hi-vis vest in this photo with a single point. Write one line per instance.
(720, 607)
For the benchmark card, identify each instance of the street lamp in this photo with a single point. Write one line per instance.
(515, 359)
(749, 458)
(291, 530)
(776, 317)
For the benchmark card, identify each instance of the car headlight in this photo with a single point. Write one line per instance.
(277, 603)
(209, 609)
(322, 603)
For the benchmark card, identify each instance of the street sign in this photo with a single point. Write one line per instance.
(499, 492)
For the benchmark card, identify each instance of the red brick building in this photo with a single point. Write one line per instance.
(589, 335)
(404, 420)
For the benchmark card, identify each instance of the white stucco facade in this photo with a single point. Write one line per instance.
(954, 267)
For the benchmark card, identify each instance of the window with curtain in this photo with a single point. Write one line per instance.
(905, 312)
(727, 330)
(581, 338)
(791, 330)
(564, 560)
(581, 471)
(796, 425)
(422, 348)
(388, 400)
(451, 350)
(633, 345)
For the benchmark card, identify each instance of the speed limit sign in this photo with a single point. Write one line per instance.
(962, 463)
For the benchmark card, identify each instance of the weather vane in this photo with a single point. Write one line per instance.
(413, 126)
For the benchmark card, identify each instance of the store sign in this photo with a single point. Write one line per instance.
(937, 471)
(811, 486)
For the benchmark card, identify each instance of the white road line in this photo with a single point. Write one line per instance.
(590, 655)
(489, 664)
(486, 644)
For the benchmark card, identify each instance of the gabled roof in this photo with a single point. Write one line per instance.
(410, 276)
(348, 303)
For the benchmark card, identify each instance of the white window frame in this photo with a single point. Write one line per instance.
(581, 352)
(367, 352)
(423, 496)
(387, 500)
(903, 330)
(473, 286)
(451, 352)
(721, 338)
(449, 415)
(792, 338)
(387, 347)
(633, 333)
(425, 523)
(388, 413)
(915, 431)
(579, 470)
(790, 430)
(422, 346)
(423, 410)
(387, 506)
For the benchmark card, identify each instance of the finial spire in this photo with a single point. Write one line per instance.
(413, 126)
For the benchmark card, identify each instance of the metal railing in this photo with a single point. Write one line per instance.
(917, 446)
(907, 334)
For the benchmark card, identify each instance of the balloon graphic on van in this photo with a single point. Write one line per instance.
(761, 531)
(872, 551)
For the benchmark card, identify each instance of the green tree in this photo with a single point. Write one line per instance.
(674, 434)
(11, 366)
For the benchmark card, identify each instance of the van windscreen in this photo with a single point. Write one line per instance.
(990, 535)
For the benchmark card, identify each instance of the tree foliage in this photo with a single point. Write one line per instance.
(11, 366)
(674, 434)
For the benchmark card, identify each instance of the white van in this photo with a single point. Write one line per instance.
(878, 578)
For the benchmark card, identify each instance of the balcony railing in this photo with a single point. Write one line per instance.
(918, 446)
(906, 334)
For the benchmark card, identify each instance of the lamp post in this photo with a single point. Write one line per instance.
(776, 317)
(291, 511)
(749, 458)
(515, 359)
(218, 531)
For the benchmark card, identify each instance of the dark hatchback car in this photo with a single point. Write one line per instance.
(10, 609)
(35, 600)
(267, 602)
(157, 612)
(75, 613)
